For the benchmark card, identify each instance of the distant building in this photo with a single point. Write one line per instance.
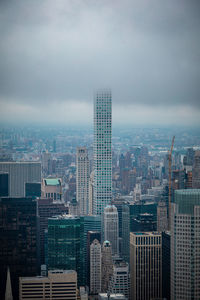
(196, 171)
(18, 236)
(20, 173)
(82, 180)
(102, 150)
(145, 266)
(58, 285)
(95, 267)
(162, 220)
(120, 279)
(107, 296)
(185, 241)
(52, 188)
(107, 265)
(111, 228)
(143, 223)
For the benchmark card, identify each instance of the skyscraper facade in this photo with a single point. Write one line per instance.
(185, 245)
(107, 266)
(145, 265)
(111, 228)
(102, 151)
(196, 171)
(18, 236)
(64, 244)
(95, 267)
(82, 180)
(20, 173)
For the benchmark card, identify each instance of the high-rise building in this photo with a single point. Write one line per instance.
(196, 171)
(20, 173)
(33, 189)
(95, 267)
(64, 244)
(82, 180)
(91, 236)
(144, 223)
(47, 209)
(120, 279)
(166, 238)
(60, 284)
(162, 221)
(111, 228)
(146, 266)
(88, 223)
(18, 236)
(102, 151)
(185, 245)
(107, 265)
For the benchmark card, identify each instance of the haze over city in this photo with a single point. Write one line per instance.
(55, 54)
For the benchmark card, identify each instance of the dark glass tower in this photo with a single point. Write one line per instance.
(64, 244)
(18, 231)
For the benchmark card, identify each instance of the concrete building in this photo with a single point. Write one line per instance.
(162, 220)
(185, 245)
(95, 267)
(120, 279)
(52, 188)
(102, 151)
(111, 228)
(82, 180)
(107, 266)
(145, 265)
(20, 173)
(91, 192)
(58, 285)
(196, 171)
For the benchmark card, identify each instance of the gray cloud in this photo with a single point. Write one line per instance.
(58, 51)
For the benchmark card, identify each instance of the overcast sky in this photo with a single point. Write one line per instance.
(55, 53)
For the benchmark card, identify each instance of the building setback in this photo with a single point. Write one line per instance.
(145, 265)
(58, 285)
(102, 150)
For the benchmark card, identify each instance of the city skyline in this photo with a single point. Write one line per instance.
(54, 55)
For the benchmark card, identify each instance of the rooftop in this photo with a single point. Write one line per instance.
(52, 181)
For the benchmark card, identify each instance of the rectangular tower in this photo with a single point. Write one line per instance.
(145, 265)
(102, 150)
(185, 245)
(82, 180)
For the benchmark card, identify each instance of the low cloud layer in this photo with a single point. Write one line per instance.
(54, 54)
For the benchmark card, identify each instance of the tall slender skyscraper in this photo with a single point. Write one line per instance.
(102, 151)
(82, 180)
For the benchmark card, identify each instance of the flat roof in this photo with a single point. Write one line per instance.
(52, 181)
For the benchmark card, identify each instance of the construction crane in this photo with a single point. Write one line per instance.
(170, 181)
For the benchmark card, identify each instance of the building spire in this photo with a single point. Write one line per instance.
(8, 292)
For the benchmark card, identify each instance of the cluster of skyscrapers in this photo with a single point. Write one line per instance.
(101, 244)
